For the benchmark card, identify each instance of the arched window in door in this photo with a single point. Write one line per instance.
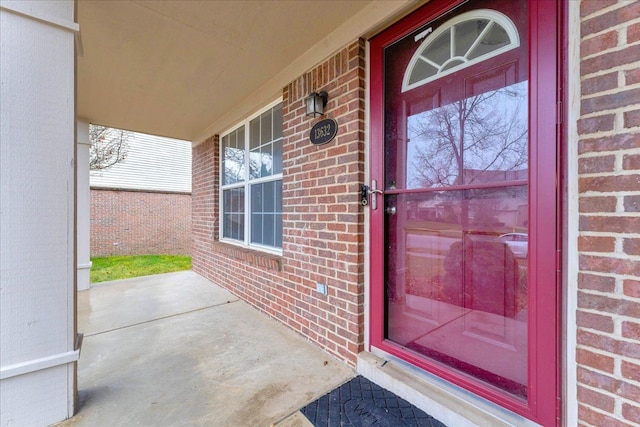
(463, 41)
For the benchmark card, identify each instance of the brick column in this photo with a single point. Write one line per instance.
(204, 205)
(608, 314)
(323, 219)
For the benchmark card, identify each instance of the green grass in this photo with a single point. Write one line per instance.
(123, 267)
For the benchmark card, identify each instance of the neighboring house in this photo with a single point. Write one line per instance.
(142, 205)
(419, 289)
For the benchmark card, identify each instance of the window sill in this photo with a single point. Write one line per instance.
(251, 256)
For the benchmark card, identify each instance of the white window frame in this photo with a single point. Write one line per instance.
(245, 184)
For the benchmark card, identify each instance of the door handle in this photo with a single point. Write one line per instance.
(369, 193)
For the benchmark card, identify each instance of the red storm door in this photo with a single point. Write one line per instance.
(463, 131)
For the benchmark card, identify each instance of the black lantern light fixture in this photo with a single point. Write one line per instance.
(316, 102)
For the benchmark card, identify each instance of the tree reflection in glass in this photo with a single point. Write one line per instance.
(456, 292)
(480, 139)
(233, 161)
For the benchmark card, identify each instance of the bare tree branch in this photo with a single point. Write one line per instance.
(108, 146)
(470, 140)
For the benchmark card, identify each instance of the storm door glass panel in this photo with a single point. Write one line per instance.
(456, 197)
(456, 283)
(476, 140)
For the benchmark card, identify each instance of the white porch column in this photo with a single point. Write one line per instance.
(37, 188)
(83, 205)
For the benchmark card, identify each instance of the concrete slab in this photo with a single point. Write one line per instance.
(176, 350)
(120, 303)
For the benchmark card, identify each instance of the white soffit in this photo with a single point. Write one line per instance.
(173, 68)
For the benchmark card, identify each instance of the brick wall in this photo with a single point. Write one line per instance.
(140, 223)
(204, 204)
(608, 317)
(322, 218)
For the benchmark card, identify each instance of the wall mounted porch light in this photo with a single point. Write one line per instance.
(316, 102)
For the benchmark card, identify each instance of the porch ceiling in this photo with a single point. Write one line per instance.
(173, 68)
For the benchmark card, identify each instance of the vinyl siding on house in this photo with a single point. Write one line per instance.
(153, 163)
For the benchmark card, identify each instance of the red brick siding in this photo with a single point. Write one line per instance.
(608, 317)
(140, 223)
(322, 218)
(204, 205)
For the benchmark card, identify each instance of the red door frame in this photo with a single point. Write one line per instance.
(544, 212)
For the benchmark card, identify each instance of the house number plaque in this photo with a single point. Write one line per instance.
(323, 131)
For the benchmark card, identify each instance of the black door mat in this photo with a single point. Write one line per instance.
(361, 403)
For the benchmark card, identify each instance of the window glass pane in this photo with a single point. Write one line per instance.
(266, 215)
(233, 214)
(238, 200)
(277, 121)
(238, 226)
(257, 195)
(233, 159)
(267, 160)
(494, 39)
(268, 237)
(266, 127)
(440, 50)
(255, 164)
(421, 71)
(254, 133)
(277, 156)
(226, 226)
(241, 227)
(466, 33)
(226, 200)
(257, 213)
(256, 228)
(497, 36)
(269, 196)
(240, 139)
(233, 165)
(235, 227)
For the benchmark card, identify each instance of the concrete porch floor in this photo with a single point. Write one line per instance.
(177, 350)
